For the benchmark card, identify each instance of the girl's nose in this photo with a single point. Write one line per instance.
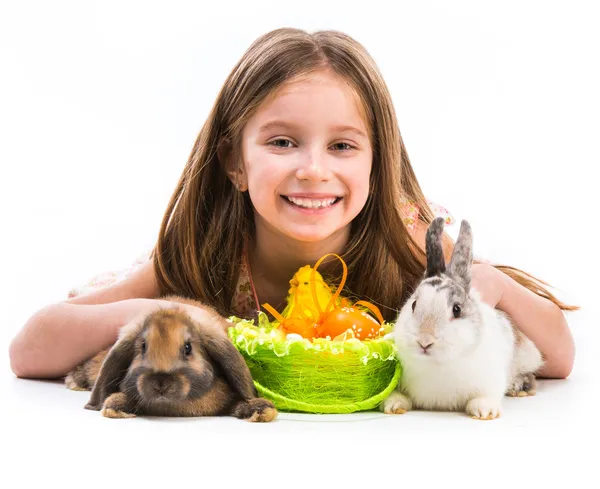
(314, 167)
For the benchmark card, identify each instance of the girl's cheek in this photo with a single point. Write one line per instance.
(360, 187)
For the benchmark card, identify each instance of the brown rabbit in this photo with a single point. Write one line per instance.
(172, 363)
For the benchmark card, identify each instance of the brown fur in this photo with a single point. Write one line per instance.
(523, 385)
(519, 336)
(162, 380)
(164, 329)
(83, 377)
(116, 406)
(255, 410)
(210, 404)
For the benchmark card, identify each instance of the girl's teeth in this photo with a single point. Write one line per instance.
(312, 203)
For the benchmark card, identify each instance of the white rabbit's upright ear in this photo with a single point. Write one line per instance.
(462, 256)
(436, 264)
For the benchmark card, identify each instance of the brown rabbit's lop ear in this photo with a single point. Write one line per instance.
(221, 350)
(436, 264)
(462, 256)
(114, 367)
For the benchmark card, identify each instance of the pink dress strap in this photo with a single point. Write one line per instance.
(245, 300)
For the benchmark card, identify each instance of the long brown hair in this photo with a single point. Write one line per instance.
(201, 240)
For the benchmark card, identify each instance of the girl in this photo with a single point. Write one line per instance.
(300, 156)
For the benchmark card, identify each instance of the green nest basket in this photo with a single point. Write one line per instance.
(319, 376)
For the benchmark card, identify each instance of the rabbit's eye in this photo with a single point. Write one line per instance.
(414, 304)
(187, 348)
(143, 347)
(456, 311)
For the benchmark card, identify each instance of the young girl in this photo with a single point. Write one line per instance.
(300, 156)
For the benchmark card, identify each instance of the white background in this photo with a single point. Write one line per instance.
(100, 103)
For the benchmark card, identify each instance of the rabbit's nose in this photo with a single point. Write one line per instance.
(426, 341)
(161, 383)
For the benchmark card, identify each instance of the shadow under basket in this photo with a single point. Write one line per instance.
(317, 376)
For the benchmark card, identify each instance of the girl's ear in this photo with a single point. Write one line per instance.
(233, 168)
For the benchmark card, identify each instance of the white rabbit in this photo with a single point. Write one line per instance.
(457, 352)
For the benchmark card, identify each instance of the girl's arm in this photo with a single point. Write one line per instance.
(62, 335)
(539, 319)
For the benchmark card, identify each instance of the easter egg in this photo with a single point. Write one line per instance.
(340, 320)
(303, 327)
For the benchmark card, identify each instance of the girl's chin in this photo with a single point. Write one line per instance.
(312, 234)
(308, 237)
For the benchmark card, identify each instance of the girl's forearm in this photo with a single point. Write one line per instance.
(60, 336)
(542, 322)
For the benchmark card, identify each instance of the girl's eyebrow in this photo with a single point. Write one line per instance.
(353, 129)
(277, 124)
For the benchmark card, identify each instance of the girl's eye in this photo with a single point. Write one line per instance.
(341, 146)
(414, 304)
(281, 143)
(187, 349)
(143, 347)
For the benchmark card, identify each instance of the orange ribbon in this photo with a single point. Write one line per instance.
(297, 313)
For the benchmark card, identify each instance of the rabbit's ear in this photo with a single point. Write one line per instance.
(436, 264)
(221, 351)
(112, 371)
(462, 256)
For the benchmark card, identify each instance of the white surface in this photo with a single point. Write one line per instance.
(101, 103)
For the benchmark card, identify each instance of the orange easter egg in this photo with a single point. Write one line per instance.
(340, 320)
(300, 326)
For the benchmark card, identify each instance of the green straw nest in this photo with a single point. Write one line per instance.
(342, 375)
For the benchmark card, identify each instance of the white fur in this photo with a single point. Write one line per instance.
(527, 358)
(397, 403)
(471, 363)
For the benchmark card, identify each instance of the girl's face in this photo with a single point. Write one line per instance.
(307, 159)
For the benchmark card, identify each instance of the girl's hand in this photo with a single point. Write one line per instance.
(489, 282)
